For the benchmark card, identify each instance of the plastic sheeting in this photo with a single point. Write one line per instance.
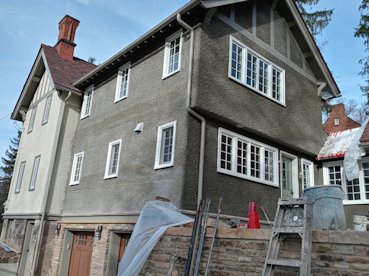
(155, 218)
(353, 154)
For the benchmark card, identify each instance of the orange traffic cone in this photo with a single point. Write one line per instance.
(253, 216)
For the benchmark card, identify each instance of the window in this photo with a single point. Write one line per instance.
(45, 117)
(172, 54)
(75, 175)
(165, 145)
(289, 176)
(336, 121)
(32, 119)
(121, 91)
(356, 190)
(87, 102)
(256, 72)
(307, 173)
(36, 164)
(20, 177)
(243, 157)
(112, 161)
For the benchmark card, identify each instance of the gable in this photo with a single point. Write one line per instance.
(44, 86)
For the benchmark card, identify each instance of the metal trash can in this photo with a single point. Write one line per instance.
(328, 212)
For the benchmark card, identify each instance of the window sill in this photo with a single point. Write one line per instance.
(73, 183)
(110, 176)
(163, 166)
(120, 99)
(85, 116)
(355, 202)
(169, 75)
(264, 182)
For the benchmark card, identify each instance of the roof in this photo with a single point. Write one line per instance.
(365, 137)
(343, 122)
(337, 144)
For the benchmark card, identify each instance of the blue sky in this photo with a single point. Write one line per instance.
(108, 26)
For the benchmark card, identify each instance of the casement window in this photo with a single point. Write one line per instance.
(121, 91)
(75, 175)
(356, 190)
(289, 175)
(87, 102)
(165, 145)
(36, 164)
(18, 185)
(307, 173)
(45, 117)
(172, 54)
(243, 157)
(112, 160)
(254, 71)
(32, 119)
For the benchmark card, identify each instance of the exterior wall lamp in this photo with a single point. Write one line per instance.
(98, 232)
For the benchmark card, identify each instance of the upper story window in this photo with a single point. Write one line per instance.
(87, 102)
(112, 160)
(121, 91)
(165, 145)
(36, 164)
(45, 117)
(307, 172)
(256, 72)
(32, 119)
(243, 157)
(172, 54)
(75, 175)
(18, 185)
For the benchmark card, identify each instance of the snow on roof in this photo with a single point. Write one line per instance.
(337, 144)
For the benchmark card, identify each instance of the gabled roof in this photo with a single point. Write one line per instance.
(365, 137)
(338, 120)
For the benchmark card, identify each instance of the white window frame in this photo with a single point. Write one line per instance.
(109, 159)
(271, 66)
(119, 82)
(18, 185)
(326, 165)
(311, 172)
(45, 116)
(32, 120)
(168, 41)
(35, 168)
(295, 172)
(74, 168)
(85, 113)
(159, 151)
(233, 171)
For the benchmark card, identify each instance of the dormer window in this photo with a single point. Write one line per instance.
(87, 102)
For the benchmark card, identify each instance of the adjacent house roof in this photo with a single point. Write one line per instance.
(338, 120)
(365, 137)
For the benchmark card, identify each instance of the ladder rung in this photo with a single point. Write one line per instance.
(287, 230)
(293, 201)
(290, 263)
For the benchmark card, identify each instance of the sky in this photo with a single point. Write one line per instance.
(108, 26)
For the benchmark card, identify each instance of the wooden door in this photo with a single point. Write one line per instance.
(80, 260)
(124, 238)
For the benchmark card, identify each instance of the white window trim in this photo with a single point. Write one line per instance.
(83, 109)
(47, 109)
(343, 175)
(234, 172)
(295, 173)
(32, 183)
(159, 143)
(32, 119)
(119, 82)
(18, 184)
(311, 170)
(243, 79)
(167, 52)
(74, 167)
(111, 144)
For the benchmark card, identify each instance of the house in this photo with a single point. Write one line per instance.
(222, 98)
(49, 107)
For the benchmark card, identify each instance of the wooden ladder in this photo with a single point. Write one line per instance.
(294, 216)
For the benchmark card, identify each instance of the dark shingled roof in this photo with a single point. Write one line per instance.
(365, 137)
(65, 72)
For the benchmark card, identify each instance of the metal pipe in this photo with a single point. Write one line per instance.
(192, 112)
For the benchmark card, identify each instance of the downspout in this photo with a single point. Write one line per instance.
(45, 198)
(192, 112)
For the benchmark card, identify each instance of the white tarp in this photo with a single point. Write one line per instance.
(155, 218)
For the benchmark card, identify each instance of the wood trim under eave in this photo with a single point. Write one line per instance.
(217, 3)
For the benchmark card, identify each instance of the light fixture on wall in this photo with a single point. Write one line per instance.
(98, 232)
(57, 229)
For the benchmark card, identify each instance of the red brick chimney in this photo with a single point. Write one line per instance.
(67, 30)
(338, 120)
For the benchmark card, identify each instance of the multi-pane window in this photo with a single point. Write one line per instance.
(87, 102)
(121, 91)
(256, 72)
(335, 175)
(365, 166)
(18, 185)
(75, 175)
(172, 54)
(32, 119)
(307, 171)
(36, 164)
(243, 157)
(112, 160)
(165, 145)
(45, 117)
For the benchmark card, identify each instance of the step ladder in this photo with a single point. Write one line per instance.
(294, 216)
